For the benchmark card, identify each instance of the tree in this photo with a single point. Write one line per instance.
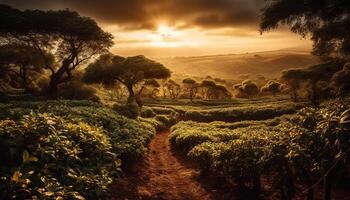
(221, 92)
(326, 21)
(173, 89)
(148, 84)
(340, 81)
(129, 71)
(290, 78)
(207, 88)
(312, 76)
(71, 38)
(272, 87)
(191, 87)
(247, 89)
(21, 60)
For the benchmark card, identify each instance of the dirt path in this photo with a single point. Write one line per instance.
(161, 176)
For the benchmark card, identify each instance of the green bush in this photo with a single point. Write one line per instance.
(147, 112)
(76, 90)
(89, 144)
(48, 157)
(234, 114)
(168, 121)
(129, 110)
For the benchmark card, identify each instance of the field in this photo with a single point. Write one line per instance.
(264, 147)
(235, 66)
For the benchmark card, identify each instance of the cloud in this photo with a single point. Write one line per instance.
(146, 14)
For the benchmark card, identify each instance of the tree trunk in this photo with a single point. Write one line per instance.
(310, 194)
(138, 97)
(310, 185)
(314, 99)
(131, 98)
(23, 73)
(56, 79)
(327, 186)
(53, 86)
(257, 183)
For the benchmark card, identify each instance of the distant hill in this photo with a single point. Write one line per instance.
(233, 66)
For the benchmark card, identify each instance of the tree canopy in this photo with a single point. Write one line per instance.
(128, 71)
(71, 38)
(22, 61)
(326, 21)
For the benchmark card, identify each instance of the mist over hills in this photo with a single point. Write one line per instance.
(233, 66)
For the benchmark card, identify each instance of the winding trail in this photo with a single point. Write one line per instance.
(162, 176)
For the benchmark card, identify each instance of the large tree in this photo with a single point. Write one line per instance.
(23, 62)
(71, 38)
(326, 21)
(129, 71)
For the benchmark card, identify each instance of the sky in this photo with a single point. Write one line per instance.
(169, 28)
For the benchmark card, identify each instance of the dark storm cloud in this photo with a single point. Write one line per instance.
(145, 14)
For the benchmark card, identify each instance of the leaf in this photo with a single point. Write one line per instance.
(33, 159)
(25, 156)
(16, 175)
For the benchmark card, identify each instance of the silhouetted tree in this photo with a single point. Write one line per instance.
(311, 76)
(173, 89)
(129, 71)
(191, 86)
(207, 87)
(341, 81)
(221, 92)
(272, 87)
(326, 21)
(71, 38)
(247, 89)
(151, 84)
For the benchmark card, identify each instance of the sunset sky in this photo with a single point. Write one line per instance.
(166, 28)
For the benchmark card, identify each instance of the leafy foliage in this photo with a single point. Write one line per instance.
(301, 148)
(325, 21)
(67, 149)
(71, 38)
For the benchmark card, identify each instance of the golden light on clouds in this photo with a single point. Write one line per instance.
(169, 41)
(161, 28)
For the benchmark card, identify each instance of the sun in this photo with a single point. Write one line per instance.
(165, 36)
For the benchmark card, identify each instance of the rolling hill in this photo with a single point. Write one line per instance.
(233, 66)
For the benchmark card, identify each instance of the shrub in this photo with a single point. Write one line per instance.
(82, 148)
(129, 110)
(49, 157)
(247, 89)
(166, 120)
(272, 87)
(147, 112)
(76, 90)
(298, 149)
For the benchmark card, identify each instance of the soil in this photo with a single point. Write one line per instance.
(161, 176)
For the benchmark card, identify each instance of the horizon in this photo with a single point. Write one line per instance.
(199, 28)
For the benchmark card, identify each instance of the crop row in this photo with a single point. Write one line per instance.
(292, 151)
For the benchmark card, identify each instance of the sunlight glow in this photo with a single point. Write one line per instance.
(166, 36)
